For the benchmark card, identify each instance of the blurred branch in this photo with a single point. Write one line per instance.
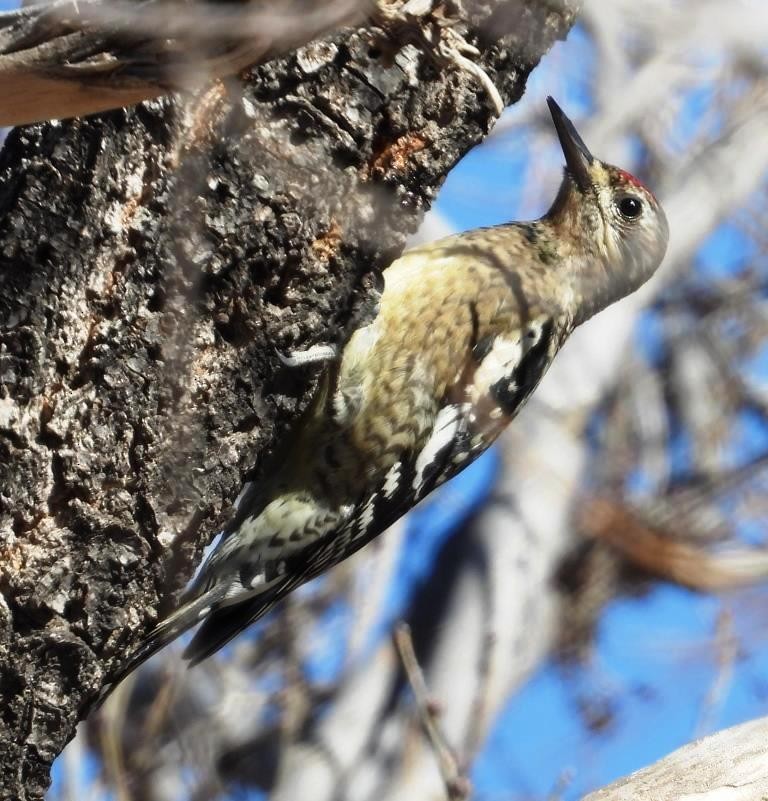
(111, 745)
(726, 654)
(327, 762)
(665, 555)
(77, 57)
(71, 58)
(376, 569)
(456, 783)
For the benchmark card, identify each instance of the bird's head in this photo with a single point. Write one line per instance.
(613, 231)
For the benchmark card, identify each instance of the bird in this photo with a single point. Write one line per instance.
(466, 327)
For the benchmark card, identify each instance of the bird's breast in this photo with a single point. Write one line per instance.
(450, 333)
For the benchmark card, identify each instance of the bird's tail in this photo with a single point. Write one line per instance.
(183, 619)
(226, 622)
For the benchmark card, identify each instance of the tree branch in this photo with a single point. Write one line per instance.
(71, 58)
(457, 785)
(730, 764)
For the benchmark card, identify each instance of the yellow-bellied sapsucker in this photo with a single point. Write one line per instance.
(466, 328)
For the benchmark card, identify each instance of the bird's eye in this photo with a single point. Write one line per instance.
(630, 207)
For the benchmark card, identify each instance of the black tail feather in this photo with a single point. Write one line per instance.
(165, 632)
(226, 622)
(220, 624)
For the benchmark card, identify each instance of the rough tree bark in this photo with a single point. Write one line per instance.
(151, 261)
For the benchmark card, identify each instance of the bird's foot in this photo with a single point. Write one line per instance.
(430, 26)
(314, 355)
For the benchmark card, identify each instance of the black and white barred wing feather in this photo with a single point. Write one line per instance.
(500, 378)
(405, 483)
(500, 374)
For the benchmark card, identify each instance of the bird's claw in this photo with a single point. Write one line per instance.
(314, 355)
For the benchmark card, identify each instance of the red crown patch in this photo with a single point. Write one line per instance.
(633, 181)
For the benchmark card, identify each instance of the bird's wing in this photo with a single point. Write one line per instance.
(406, 481)
(495, 385)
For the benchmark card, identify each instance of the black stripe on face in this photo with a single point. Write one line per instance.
(512, 390)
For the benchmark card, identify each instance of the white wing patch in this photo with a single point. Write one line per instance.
(443, 434)
(503, 359)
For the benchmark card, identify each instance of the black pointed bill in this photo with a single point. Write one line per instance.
(577, 156)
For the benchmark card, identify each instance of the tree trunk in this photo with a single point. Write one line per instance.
(152, 261)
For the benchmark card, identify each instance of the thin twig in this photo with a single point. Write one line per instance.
(476, 725)
(727, 650)
(452, 53)
(564, 780)
(457, 785)
(111, 745)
